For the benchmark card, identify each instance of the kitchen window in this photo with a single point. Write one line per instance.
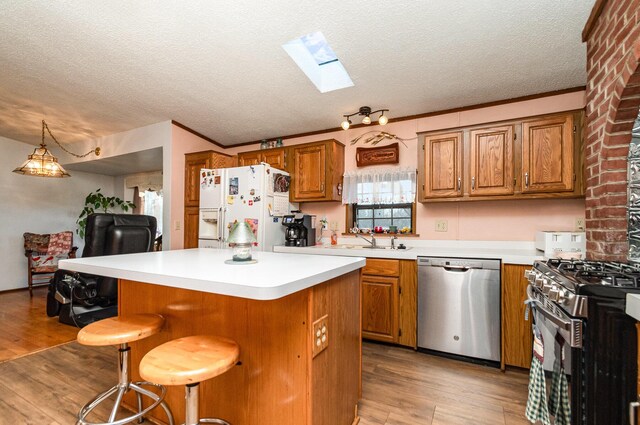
(384, 215)
(380, 197)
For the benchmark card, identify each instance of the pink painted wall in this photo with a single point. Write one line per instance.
(182, 142)
(483, 220)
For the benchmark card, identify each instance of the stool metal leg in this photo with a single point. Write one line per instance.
(125, 385)
(193, 409)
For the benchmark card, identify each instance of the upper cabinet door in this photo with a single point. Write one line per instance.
(249, 158)
(310, 171)
(274, 157)
(193, 164)
(491, 161)
(548, 155)
(442, 166)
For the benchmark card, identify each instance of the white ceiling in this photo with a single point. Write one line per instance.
(93, 68)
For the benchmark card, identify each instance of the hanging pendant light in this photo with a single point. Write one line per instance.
(41, 163)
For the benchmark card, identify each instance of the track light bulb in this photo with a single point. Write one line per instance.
(383, 119)
(366, 120)
(345, 124)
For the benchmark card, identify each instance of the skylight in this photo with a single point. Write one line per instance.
(317, 60)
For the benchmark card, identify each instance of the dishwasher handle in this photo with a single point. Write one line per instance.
(458, 269)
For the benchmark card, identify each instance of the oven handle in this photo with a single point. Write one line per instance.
(572, 326)
(633, 413)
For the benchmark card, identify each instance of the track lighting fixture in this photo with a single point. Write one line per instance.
(365, 112)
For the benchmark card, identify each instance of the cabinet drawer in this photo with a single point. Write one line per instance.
(380, 267)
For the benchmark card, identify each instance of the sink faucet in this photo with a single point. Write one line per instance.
(393, 242)
(372, 242)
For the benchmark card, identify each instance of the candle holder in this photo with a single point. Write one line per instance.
(241, 240)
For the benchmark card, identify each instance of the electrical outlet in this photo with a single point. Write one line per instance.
(580, 226)
(176, 225)
(441, 226)
(320, 338)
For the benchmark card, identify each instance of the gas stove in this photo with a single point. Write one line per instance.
(582, 304)
(567, 283)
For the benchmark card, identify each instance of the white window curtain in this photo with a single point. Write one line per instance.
(145, 181)
(379, 186)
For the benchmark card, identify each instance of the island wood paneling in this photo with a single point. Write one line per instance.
(516, 331)
(275, 381)
(335, 389)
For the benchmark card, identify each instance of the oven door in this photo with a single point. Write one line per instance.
(563, 341)
(555, 319)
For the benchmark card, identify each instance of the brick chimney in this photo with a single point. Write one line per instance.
(612, 34)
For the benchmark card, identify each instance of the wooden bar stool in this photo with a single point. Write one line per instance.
(121, 331)
(189, 361)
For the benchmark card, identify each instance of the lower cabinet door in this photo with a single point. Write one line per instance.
(380, 308)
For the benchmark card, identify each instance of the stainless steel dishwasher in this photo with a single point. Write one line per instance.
(459, 306)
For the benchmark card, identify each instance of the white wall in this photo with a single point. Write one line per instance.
(37, 205)
(136, 140)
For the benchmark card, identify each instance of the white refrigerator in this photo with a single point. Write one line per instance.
(256, 194)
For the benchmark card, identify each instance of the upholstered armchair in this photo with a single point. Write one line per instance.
(43, 253)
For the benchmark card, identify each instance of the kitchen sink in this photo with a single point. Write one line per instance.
(345, 246)
(385, 247)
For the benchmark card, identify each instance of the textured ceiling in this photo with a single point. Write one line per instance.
(93, 68)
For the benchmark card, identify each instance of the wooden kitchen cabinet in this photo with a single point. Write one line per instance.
(442, 162)
(249, 158)
(548, 154)
(517, 336)
(316, 173)
(380, 308)
(276, 157)
(491, 161)
(389, 301)
(193, 163)
(529, 158)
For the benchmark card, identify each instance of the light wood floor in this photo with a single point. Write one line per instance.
(25, 327)
(404, 387)
(400, 386)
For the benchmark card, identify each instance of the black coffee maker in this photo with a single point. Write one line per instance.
(299, 230)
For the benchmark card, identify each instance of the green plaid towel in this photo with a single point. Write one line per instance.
(537, 409)
(559, 404)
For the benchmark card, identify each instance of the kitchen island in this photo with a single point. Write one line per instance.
(270, 308)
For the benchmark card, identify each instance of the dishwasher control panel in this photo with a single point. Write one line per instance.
(459, 263)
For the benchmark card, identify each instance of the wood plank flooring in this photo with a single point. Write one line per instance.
(400, 386)
(404, 387)
(25, 327)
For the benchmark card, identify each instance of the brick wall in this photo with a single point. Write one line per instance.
(613, 98)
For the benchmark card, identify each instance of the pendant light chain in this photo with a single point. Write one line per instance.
(44, 125)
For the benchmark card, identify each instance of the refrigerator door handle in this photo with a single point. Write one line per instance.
(221, 224)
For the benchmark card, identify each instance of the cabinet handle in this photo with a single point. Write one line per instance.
(473, 183)
(526, 180)
(459, 183)
(321, 187)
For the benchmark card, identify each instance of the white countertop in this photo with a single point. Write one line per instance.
(509, 252)
(273, 276)
(633, 306)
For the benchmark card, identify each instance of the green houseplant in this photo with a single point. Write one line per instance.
(96, 201)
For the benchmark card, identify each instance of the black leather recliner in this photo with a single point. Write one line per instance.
(80, 298)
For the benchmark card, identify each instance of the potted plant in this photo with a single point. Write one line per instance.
(97, 201)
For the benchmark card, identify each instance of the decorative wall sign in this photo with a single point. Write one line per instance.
(381, 155)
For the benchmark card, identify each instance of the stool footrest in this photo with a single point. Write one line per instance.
(158, 400)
